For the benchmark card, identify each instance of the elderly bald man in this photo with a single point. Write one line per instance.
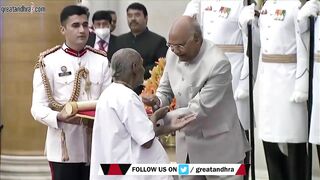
(198, 74)
(122, 132)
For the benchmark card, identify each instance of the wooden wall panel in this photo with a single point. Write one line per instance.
(23, 37)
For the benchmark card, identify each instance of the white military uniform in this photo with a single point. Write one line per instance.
(219, 19)
(279, 76)
(121, 128)
(314, 136)
(60, 67)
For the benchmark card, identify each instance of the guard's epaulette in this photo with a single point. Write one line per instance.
(44, 54)
(97, 51)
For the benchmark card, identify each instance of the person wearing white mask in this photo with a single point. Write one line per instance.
(101, 38)
(281, 89)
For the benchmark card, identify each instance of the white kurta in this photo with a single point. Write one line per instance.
(279, 119)
(61, 68)
(120, 129)
(314, 136)
(219, 19)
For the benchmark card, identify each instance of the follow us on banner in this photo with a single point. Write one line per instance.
(172, 169)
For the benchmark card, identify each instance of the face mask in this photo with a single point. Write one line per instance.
(102, 33)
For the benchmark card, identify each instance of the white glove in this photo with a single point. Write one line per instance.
(193, 8)
(301, 85)
(311, 8)
(246, 15)
(299, 97)
(241, 94)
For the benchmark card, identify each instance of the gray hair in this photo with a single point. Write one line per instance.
(121, 63)
(196, 29)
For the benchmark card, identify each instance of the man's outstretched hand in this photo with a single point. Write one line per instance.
(181, 121)
(175, 123)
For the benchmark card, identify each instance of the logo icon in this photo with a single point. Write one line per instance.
(183, 169)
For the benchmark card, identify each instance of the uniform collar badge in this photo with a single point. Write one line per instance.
(73, 52)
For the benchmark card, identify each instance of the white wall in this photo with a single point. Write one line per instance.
(161, 15)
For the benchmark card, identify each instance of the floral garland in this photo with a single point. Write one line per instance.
(150, 88)
(152, 83)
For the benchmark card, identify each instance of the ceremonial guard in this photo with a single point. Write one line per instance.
(281, 91)
(312, 8)
(71, 72)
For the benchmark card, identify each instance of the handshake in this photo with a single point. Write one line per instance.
(172, 121)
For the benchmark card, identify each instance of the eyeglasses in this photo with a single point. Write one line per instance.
(179, 46)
